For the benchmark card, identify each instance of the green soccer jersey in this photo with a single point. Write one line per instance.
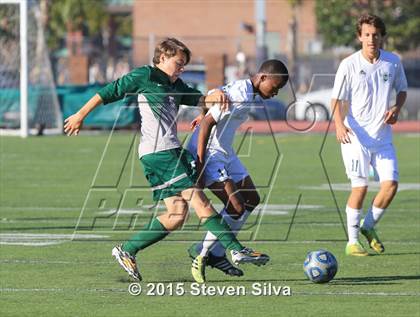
(158, 101)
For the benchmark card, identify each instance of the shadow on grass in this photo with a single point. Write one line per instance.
(374, 280)
(230, 281)
(397, 254)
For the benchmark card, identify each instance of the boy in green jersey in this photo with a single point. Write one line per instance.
(168, 167)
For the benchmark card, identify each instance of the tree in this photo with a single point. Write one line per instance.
(66, 16)
(337, 21)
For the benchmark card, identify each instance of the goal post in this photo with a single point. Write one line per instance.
(23, 14)
(28, 98)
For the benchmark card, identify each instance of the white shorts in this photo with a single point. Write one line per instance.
(358, 159)
(220, 168)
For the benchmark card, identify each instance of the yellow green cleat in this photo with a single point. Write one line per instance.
(219, 262)
(356, 249)
(373, 239)
(198, 269)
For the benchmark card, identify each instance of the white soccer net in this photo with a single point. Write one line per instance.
(43, 111)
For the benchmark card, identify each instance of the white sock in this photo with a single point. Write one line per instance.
(372, 217)
(209, 240)
(353, 221)
(235, 225)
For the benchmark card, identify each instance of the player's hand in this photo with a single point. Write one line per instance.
(221, 99)
(391, 116)
(73, 124)
(343, 133)
(196, 121)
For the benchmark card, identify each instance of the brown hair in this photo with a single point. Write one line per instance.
(170, 47)
(372, 20)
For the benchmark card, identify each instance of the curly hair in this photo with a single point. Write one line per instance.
(370, 19)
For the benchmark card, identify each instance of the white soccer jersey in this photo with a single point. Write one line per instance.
(242, 97)
(368, 89)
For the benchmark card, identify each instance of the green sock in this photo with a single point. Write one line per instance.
(153, 232)
(216, 225)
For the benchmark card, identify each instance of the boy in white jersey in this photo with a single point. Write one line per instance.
(217, 163)
(363, 85)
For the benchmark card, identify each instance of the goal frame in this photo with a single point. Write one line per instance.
(24, 129)
(23, 39)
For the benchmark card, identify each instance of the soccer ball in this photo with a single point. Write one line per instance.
(320, 266)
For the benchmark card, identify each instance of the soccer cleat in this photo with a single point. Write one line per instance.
(222, 263)
(219, 262)
(373, 239)
(247, 255)
(198, 269)
(355, 249)
(127, 261)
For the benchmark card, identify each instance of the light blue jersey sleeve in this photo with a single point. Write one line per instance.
(341, 88)
(237, 94)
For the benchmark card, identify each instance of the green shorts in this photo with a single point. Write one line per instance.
(169, 172)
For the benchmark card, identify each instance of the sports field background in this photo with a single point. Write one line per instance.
(45, 182)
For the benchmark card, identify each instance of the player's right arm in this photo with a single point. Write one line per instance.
(130, 83)
(400, 86)
(338, 108)
(339, 103)
(73, 124)
(206, 125)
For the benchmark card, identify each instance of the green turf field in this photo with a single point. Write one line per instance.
(47, 182)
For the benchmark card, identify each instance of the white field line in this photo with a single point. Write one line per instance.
(6, 261)
(269, 209)
(32, 244)
(326, 224)
(372, 185)
(42, 239)
(358, 293)
(29, 208)
(151, 208)
(402, 242)
(272, 209)
(153, 263)
(43, 236)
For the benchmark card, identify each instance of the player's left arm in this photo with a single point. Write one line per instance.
(203, 139)
(391, 116)
(400, 85)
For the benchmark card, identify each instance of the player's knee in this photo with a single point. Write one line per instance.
(175, 221)
(390, 188)
(252, 201)
(177, 216)
(359, 191)
(394, 186)
(357, 197)
(236, 207)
